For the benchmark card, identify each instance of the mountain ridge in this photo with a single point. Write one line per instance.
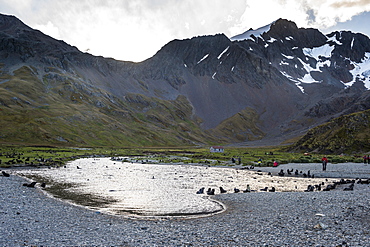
(211, 89)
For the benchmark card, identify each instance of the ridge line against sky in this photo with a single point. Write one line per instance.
(134, 30)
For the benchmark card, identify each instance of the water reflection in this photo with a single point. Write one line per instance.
(125, 188)
(139, 189)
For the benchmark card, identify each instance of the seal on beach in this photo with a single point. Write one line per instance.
(310, 188)
(5, 174)
(330, 187)
(350, 187)
(200, 191)
(211, 192)
(366, 181)
(222, 190)
(30, 185)
(281, 173)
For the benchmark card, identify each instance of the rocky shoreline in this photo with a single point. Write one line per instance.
(327, 218)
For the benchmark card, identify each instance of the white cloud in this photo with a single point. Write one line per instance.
(305, 13)
(50, 29)
(127, 30)
(328, 13)
(260, 13)
(136, 29)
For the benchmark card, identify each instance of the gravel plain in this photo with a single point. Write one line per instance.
(28, 217)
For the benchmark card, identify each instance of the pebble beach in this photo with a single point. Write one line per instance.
(29, 217)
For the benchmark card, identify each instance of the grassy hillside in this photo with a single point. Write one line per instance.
(346, 134)
(241, 127)
(50, 106)
(58, 109)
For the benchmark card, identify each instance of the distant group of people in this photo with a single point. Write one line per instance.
(366, 159)
(233, 160)
(324, 161)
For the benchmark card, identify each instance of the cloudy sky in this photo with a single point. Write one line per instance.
(134, 30)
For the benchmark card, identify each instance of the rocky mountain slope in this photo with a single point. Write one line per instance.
(345, 134)
(270, 84)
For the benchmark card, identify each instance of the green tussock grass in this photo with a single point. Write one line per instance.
(185, 155)
(346, 134)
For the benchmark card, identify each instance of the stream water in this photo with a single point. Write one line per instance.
(125, 188)
(158, 190)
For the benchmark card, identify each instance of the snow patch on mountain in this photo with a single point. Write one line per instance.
(317, 52)
(334, 39)
(205, 56)
(307, 78)
(297, 83)
(271, 40)
(361, 71)
(252, 33)
(287, 57)
(322, 55)
(307, 67)
(283, 63)
(222, 53)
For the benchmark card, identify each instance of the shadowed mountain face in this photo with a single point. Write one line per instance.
(270, 85)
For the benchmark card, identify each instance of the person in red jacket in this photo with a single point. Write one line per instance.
(324, 163)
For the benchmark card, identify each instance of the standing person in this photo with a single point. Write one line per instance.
(365, 159)
(259, 161)
(324, 163)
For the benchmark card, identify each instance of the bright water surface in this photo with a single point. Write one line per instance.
(153, 190)
(144, 189)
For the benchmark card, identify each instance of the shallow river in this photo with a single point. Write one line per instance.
(154, 190)
(124, 188)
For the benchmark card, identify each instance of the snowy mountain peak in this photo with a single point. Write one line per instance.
(252, 33)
